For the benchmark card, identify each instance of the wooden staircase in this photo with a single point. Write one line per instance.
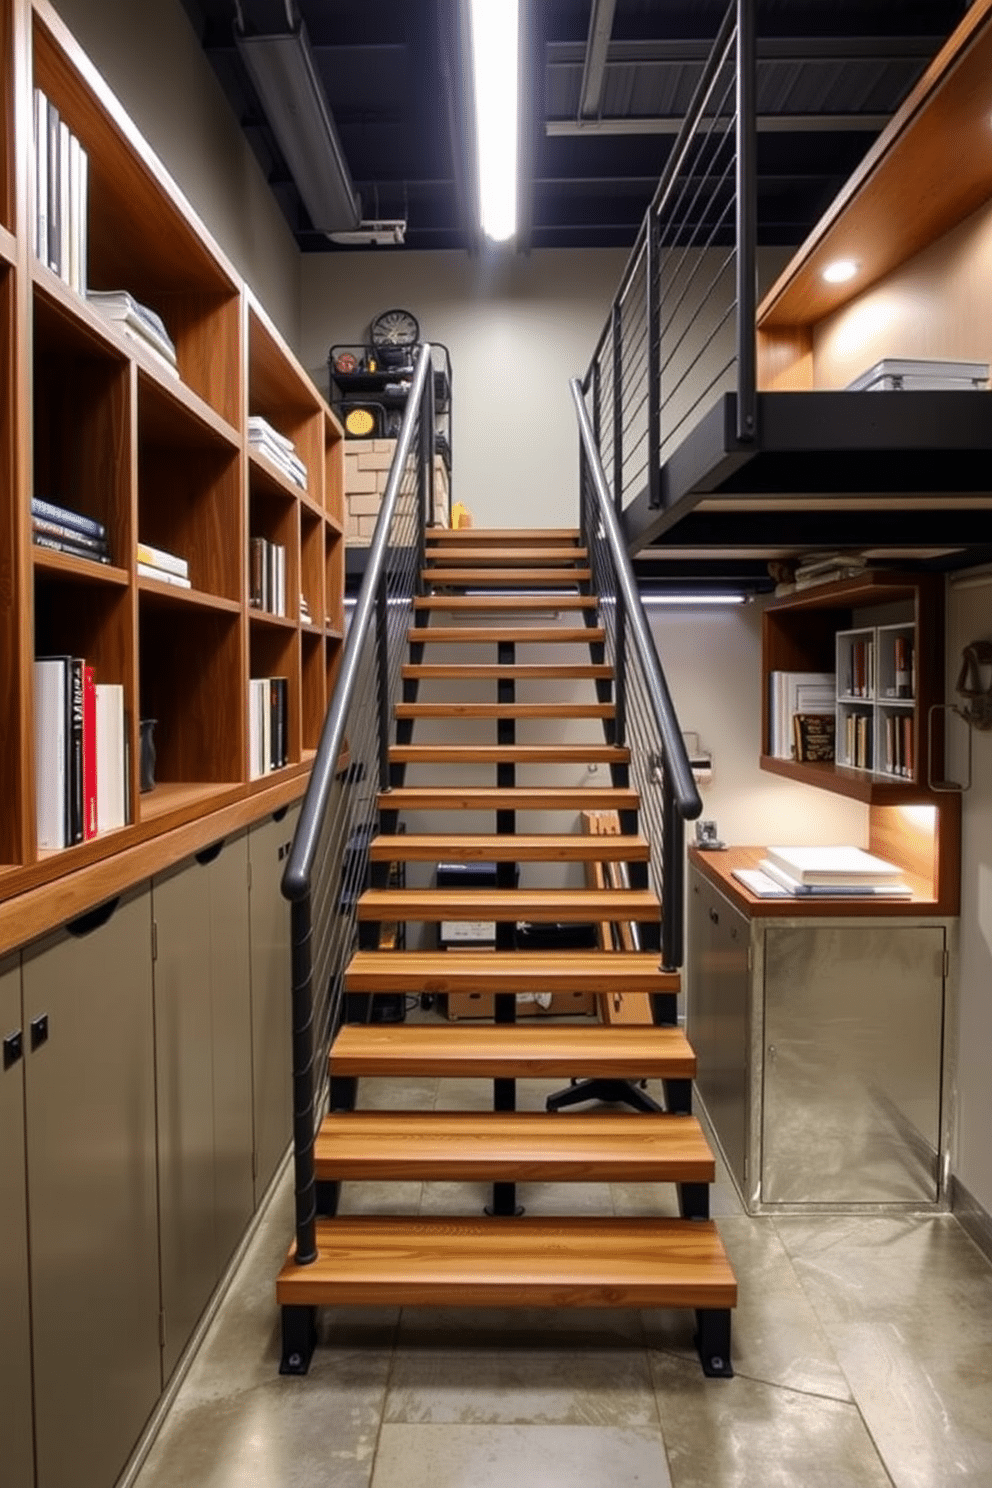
(505, 1257)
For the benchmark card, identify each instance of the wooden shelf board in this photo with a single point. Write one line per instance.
(334, 523)
(275, 376)
(68, 566)
(718, 868)
(163, 399)
(155, 591)
(903, 195)
(8, 246)
(275, 482)
(295, 770)
(171, 796)
(859, 785)
(311, 511)
(266, 619)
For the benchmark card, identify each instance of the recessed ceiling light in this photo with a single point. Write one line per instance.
(840, 271)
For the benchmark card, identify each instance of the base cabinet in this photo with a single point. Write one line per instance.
(15, 1321)
(268, 848)
(820, 1049)
(92, 1200)
(203, 1070)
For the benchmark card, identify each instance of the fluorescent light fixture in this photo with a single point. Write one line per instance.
(840, 271)
(718, 597)
(495, 29)
(282, 68)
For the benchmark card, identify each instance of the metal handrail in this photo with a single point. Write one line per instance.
(326, 867)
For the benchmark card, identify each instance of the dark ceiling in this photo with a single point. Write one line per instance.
(599, 118)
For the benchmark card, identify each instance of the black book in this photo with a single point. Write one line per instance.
(68, 545)
(74, 753)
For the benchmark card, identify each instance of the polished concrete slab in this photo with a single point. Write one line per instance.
(862, 1350)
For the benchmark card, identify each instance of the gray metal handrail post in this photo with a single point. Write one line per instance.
(746, 227)
(382, 678)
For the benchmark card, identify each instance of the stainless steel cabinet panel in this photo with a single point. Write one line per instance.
(230, 983)
(268, 846)
(15, 1323)
(718, 1013)
(853, 1021)
(184, 1071)
(90, 1122)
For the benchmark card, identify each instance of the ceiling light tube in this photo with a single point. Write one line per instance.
(494, 26)
(717, 597)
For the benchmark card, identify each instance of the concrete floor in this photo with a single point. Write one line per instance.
(862, 1350)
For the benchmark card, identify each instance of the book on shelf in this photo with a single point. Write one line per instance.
(71, 545)
(162, 576)
(64, 516)
(902, 665)
(277, 448)
(813, 737)
(51, 692)
(860, 679)
(267, 589)
(90, 827)
(61, 194)
(791, 693)
(834, 865)
(111, 755)
(268, 725)
(899, 744)
(858, 740)
(161, 558)
(136, 320)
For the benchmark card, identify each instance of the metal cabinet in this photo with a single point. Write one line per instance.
(719, 1017)
(268, 849)
(203, 1070)
(15, 1319)
(90, 1139)
(820, 1047)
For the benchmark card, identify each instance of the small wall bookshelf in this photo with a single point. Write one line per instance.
(859, 629)
(93, 421)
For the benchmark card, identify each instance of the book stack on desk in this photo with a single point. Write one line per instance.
(824, 872)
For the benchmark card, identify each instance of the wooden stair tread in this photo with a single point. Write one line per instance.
(490, 602)
(507, 798)
(520, 1146)
(518, 671)
(510, 578)
(544, 906)
(521, 847)
(511, 635)
(532, 556)
(517, 754)
(440, 972)
(513, 1051)
(502, 536)
(505, 710)
(527, 1261)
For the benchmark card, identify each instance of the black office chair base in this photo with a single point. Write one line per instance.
(612, 1091)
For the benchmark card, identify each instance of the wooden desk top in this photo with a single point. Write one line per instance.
(718, 868)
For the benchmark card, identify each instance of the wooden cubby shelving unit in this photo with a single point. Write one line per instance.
(92, 421)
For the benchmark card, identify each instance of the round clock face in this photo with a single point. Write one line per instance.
(395, 328)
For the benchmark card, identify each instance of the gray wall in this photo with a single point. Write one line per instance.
(149, 55)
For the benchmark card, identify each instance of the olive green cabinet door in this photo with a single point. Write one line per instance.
(230, 985)
(15, 1324)
(184, 1081)
(268, 846)
(90, 1121)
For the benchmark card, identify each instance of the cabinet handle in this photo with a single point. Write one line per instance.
(714, 916)
(85, 924)
(209, 854)
(13, 1048)
(39, 1031)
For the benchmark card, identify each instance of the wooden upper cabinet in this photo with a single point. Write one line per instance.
(929, 170)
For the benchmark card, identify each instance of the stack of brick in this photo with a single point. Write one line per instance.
(366, 470)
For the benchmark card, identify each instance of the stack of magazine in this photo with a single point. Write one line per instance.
(138, 322)
(277, 448)
(67, 531)
(823, 872)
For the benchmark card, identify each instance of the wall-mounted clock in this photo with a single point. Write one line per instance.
(394, 334)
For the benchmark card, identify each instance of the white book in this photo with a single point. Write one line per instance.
(73, 214)
(84, 207)
(51, 682)
(41, 175)
(254, 729)
(111, 777)
(886, 888)
(118, 305)
(266, 706)
(162, 558)
(149, 571)
(64, 181)
(151, 349)
(832, 865)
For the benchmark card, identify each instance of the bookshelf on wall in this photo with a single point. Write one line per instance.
(152, 450)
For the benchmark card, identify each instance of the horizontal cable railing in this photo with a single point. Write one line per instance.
(645, 721)
(328, 862)
(681, 329)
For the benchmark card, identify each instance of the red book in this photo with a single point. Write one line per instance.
(89, 753)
